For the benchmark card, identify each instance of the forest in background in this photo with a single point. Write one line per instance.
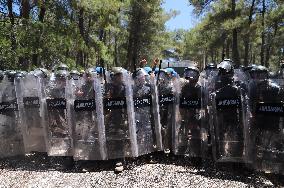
(84, 33)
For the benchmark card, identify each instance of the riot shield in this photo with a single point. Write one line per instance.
(229, 125)
(29, 97)
(191, 132)
(146, 117)
(11, 143)
(88, 131)
(168, 109)
(56, 123)
(267, 130)
(208, 88)
(119, 122)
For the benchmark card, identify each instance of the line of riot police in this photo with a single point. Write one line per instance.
(234, 115)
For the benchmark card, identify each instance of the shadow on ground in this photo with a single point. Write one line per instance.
(206, 168)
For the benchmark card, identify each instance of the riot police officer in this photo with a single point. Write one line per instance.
(29, 95)
(228, 117)
(208, 70)
(145, 108)
(56, 118)
(267, 138)
(168, 106)
(87, 129)
(11, 142)
(119, 118)
(190, 133)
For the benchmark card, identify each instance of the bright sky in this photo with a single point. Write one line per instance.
(185, 20)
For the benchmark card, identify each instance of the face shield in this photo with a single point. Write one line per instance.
(164, 77)
(259, 75)
(118, 78)
(191, 75)
(209, 70)
(140, 78)
(60, 82)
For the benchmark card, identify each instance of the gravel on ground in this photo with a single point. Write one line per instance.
(38, 170)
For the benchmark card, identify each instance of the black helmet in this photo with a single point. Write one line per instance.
(90, 72)
(194, 68)
(139, 72)
(19, 75)
(74, 74)
(164, 71)
(210, 66)
(11, 75)
(62, 67)
(226, 68)
(41, 72)
(191, 72)
(117, 70)
(242, 67)
(259, 72)
(229, 60)
(249, 67)
(61, 74)
(259, 68)
(7, 72)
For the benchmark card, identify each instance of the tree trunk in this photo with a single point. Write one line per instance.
(25, 9)
(247, 37)
(262, 34)
(42, 11)
(235, 51)
(212, 55)
(223, 55)
(268, 49)
(12, 34)
(24, 13)
(228, 44)
(35, 56)
(80, 55)
(12, 20)
(115, 51)
(134, 34)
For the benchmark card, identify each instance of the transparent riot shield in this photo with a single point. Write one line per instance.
(119, 122)
(168, 109)
(29, 97)
(11, 143)
(56, 124)
(267, 130)
(191, 132)
(145, 109)
(88, 130)
(229, 125)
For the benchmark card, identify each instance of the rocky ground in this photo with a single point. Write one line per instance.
(38, 170)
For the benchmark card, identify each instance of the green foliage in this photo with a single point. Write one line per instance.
(78, 33)
(213, 35)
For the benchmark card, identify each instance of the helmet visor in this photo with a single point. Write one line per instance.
(191, 74)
